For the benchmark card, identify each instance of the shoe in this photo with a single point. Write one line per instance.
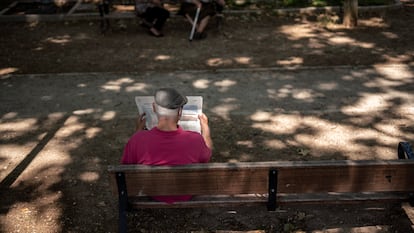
(200, 35)
(154, 32)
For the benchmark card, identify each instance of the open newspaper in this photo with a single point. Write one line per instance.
(189, 118)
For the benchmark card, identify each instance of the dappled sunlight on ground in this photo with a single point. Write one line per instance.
(290, 61)
(219, 62)
(201, 83)
(350, 41)
(299, 31)
(117, 84)
(319, 91)
(36, 216)
(41, 171)
(41, 209)
(318, 38)
(224, 110)
(373, 22)
(273, 114)
(16, 126)
(322, 136)
(62, 40)
(225, 85)
(213, 62)
(162, 57)
(253, 41)
(404, 73)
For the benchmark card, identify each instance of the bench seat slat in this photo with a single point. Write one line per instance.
(247, 178)
(255, 165)
(250, 200)
(202, 201)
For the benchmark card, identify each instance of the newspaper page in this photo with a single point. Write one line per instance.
(189, 118)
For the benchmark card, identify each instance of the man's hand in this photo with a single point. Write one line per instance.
(205, 130)
(140, 123)
(203, 122)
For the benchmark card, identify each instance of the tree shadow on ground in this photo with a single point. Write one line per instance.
(72, 126)
(255, 116)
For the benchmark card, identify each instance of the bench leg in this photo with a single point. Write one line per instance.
(122, 221)
(406, 152)
(122, 202)
(271, 202)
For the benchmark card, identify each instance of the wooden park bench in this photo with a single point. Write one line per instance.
(262, 183)
(126, 9)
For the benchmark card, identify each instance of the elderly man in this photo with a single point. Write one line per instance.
(168, 143)
(208, 8)
(153, 15)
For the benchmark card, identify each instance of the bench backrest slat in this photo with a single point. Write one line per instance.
(252, 178)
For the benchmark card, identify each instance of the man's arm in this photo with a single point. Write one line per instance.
(205, 130)
(140, 123)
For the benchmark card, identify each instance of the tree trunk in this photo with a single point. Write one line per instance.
(350, 13)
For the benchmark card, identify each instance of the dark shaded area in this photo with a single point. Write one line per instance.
(245, 42)
(43, 7)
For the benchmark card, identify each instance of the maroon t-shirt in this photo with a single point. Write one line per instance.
(156, 147)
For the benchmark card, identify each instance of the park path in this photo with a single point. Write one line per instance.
(58, 132)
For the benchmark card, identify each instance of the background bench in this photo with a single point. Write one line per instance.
(262, 183)
(126, 9)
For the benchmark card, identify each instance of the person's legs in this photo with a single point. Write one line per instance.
(162, 16)
(147, 18)
(103, 7)
(155, 18)
(203, 24)
(200, 34)
(208, 10)
(188, 10)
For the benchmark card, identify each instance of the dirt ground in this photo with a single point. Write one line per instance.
(243, 41)
(53, 154)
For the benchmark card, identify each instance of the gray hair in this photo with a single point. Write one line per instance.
(161, 111)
